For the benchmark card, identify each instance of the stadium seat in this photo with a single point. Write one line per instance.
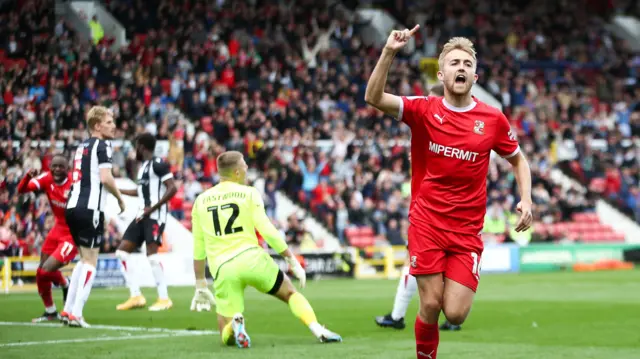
(362, 241)
(351, 232)
(366, 232)
(618, 237)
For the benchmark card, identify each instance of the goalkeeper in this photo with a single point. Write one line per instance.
(224, 223)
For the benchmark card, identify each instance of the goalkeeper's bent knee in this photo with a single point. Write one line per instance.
(301, 308)
(227, 335)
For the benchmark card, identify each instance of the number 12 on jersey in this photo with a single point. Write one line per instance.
(229, 228)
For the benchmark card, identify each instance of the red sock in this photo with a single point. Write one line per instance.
(43, 282)
(427, 339)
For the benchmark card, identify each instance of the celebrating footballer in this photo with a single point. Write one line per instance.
(458, 134)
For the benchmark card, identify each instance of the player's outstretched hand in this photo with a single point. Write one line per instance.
(526, 216)
(202, 300)
(32, 173)
(122, 206)
(398, 39)
(297, 270)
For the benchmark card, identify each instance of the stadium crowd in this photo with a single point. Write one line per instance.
(284, 83)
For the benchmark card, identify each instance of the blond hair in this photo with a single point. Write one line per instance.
(228, 161)
(96, 115)
(457, 43)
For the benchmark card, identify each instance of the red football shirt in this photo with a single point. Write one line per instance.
(57, 193)
(450, 151)
(418, 162)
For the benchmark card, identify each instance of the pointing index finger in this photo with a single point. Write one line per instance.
(414, 30)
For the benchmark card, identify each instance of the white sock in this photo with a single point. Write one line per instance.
(407, 287)
(50, 310)
(87, 275)
(126, 267)
(158, 274)
(316, 328)
(73, 287)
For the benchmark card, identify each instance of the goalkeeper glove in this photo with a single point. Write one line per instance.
(203, 297)
(297, 270)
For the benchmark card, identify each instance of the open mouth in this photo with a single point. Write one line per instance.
(461, 79)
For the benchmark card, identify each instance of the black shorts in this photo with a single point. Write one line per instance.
(146, 231)
(86, 227)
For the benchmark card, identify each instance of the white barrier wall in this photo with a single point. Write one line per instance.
(178, 264)
(180, 238)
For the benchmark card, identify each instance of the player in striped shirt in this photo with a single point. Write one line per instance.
(85, 208)
(155, 189)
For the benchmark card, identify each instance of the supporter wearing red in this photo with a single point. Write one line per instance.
(459, 132)
(59, 248)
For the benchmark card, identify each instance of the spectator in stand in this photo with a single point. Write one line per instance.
(210, 77)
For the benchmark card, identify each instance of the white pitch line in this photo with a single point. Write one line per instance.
(117, 328)
(98, 339)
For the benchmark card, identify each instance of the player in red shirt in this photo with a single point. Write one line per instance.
(407, 286)
(58, 248)
(459, 132)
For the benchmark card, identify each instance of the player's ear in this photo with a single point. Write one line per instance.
(440, 76)
(475, 78)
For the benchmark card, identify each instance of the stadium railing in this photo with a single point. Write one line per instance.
(382, 262)
(28, 267)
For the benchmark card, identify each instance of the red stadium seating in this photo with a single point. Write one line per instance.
(360, 237)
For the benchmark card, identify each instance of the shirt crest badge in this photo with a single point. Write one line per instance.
(478, 127)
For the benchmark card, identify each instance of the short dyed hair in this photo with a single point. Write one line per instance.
(228, 161)
(457, 43)
(96, 115)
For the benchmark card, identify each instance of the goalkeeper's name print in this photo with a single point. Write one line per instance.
(452, 152)
(225, 196)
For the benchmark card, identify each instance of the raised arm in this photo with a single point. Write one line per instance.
(375, 95)
(28, 183)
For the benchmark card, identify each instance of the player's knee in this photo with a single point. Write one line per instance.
(152, 249)
(122, 255)
(50, 266)
(431, 304)
(285, 291)
(154, 259)
(455, 316)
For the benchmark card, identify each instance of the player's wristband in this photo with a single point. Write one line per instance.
(201, 283)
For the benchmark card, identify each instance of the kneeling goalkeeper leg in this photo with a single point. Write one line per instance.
(300, 307)
(227, 332)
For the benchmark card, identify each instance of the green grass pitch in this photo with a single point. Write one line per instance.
(550, 316)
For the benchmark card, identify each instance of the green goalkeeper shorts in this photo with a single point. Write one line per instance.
(254, 268)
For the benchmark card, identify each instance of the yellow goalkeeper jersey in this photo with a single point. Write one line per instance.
(224, 223)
